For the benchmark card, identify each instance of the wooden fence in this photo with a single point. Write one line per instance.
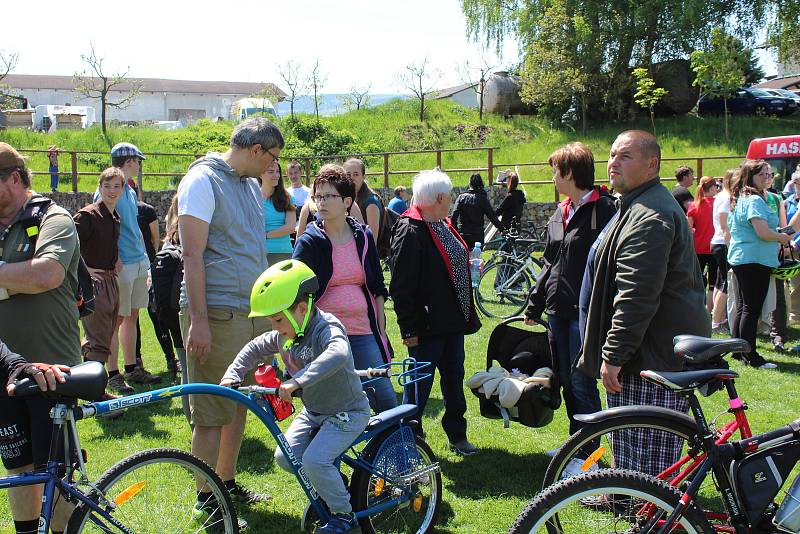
(386, 171)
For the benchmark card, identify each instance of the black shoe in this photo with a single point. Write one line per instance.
(464, 448)
(207, 517)
(243, 495)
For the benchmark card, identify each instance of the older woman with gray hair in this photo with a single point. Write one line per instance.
(432, 297)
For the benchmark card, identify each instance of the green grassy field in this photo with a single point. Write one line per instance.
(482, 493)
(393, 127)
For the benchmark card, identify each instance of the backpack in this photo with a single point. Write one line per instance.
(31, 221)
(384, 240)
(167, 274)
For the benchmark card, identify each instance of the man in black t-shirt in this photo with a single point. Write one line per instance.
(685, 177)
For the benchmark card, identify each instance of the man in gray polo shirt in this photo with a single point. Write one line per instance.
(221, 223)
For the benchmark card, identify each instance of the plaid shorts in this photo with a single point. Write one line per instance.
(645, 450)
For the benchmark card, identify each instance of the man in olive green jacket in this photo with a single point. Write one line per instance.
(647, 288)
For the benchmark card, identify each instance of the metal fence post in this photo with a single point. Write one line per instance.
(74, 158)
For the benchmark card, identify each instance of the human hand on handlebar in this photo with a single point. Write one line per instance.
(287, 388)
(44, 374)
(229, 383)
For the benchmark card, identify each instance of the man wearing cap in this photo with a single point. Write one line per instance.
(132, 278)
(221, 223)
(38, 318)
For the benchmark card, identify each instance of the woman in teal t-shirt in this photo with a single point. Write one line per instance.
(753, 252)
(279, 215)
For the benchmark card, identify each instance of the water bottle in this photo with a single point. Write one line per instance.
(475, 262)
(788, 516)
(266, 377)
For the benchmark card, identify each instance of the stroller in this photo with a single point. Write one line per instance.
(528, 351)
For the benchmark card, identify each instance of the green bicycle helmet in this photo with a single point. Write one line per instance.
(279, 287)
(787, 270)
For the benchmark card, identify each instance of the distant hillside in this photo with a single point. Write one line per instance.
(331, 104)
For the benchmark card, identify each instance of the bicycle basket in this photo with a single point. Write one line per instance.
(526, 350)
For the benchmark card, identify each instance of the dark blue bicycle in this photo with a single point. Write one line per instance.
(396, 483)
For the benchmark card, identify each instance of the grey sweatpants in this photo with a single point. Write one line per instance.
(334, 435)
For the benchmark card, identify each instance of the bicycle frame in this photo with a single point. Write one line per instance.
(253, 399)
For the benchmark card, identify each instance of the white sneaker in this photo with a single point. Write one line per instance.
(574, 468)
(768, 365)
(552, 453)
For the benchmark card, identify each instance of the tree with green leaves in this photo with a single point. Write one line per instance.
(553, 73)
(720, 68)
(783, 31)
(647, 94)
(618, 36)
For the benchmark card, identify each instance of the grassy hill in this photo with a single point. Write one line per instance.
(393, 127)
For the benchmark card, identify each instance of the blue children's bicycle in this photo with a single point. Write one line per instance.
(395, 483)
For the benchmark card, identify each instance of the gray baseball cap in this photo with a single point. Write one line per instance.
(125, 150)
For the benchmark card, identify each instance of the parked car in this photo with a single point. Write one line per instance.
(785, 93)
(747, 101)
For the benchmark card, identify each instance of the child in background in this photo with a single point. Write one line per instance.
(314, 347)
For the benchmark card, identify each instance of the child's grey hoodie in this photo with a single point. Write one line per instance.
(322, 364)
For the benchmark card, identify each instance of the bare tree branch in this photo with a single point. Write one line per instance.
(317, 80)
(357, 98)
(295, 84)
(8, 62)
(420, 78)
(467, 73)
(96, 85)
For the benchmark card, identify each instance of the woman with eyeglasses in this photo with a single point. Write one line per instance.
(753, 252)
(342, 253)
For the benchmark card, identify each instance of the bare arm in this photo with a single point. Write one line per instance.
(154, 235)
(723, 223)
(288, 225)
(32, 277)
(765, 233)
(373, 220)
(304, 213)
(782, 214)
(355, 212)
(194, 237)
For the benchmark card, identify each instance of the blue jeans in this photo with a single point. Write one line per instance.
(53, 177)
(580, 391)
(445, 353)
(366, 353)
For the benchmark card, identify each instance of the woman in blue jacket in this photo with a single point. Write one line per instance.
(342, 253)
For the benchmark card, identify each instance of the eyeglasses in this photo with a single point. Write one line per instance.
(324, 198)
(274, 157)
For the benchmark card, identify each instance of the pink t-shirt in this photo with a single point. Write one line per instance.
(344, 296)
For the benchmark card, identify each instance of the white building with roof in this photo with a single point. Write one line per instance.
(158, 100)
(465, 94)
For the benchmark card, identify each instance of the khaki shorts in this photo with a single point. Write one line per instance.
(133, 287)
(230, 332)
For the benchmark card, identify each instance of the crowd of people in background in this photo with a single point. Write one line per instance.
(625, 270)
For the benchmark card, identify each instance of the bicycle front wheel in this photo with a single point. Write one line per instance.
(594, 443)
(503, 289)
(155, 492)
(606, 501)
(404, 467)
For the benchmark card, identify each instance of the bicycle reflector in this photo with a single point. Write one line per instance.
(416, 503)
(129, 492)
(379, 485)
(593, 458)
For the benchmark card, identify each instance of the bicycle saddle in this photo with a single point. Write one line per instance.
(85, 381)
(685, 380)
(698, 349)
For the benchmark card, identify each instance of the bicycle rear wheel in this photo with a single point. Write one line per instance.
(606, 501)
(503, 289)
(404, 467)
(594, 442)
(154, 492)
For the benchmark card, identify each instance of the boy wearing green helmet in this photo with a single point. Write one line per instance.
(314, 347)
